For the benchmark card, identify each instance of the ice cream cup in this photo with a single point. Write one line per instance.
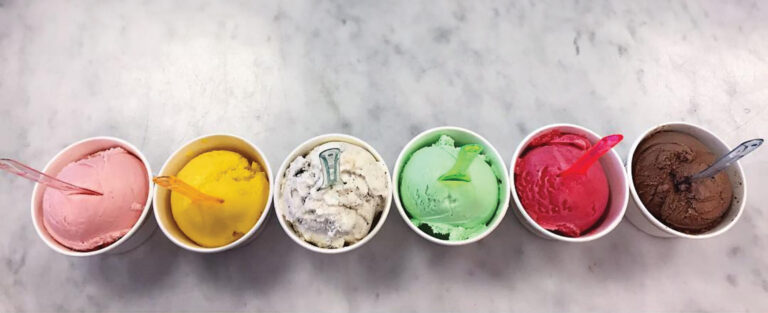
(140, 231)
(639, 215)
(182, 156)
(462, 137)
(303, 149)
(614, 172)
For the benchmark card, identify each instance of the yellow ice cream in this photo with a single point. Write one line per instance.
(227, 175)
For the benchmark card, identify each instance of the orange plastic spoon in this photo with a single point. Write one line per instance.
(177, 185)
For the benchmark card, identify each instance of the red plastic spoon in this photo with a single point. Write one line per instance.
(592, 155)
(27, 172)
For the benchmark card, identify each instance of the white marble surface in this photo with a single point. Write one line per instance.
(158, 73)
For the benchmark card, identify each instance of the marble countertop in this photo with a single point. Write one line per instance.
(159, 73)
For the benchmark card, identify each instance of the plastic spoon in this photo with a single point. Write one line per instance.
(27, 172)
(592, 155)
(330, 160)
(177, 185)
(729, 158)
(722, 163)
(459, 170)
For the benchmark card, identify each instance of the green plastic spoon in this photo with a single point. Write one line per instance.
(330, 161)
(459, 170)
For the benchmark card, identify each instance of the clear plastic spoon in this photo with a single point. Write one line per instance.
(18, 168)
(177, 185)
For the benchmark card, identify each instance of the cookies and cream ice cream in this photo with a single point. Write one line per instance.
(332, 215)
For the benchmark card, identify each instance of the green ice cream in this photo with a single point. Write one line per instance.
(454, 209)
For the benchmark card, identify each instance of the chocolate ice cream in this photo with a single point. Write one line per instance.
(663, 160)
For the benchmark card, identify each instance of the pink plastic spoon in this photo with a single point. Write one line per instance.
(592, 155)
(16, 167)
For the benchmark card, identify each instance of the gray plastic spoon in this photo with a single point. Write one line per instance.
(722, 163)
(729, 158)
(27, 172)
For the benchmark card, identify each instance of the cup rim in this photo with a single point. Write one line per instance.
(501, 211)
(613, 155)
(41, 232)
(259, 223)
(647, 214)
(314, 142)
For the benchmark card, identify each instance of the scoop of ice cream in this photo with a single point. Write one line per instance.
(85, 222)
(242, 185)
(457, 209)
(569, 204)
(343, 213)
(667, 157)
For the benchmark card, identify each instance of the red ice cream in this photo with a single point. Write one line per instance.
(568, 204)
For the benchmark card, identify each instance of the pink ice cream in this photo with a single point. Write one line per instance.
(83, 222)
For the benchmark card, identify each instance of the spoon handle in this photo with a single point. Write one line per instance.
(734, 155)
(330, 161)
(27, 172)
(592, 155)
(175, 184)
(459, 171)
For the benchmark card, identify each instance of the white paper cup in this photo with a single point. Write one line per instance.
(304, 149)
(614, 172)
(462, 137)
(182, 156)
(639, 215)
(139, 232)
